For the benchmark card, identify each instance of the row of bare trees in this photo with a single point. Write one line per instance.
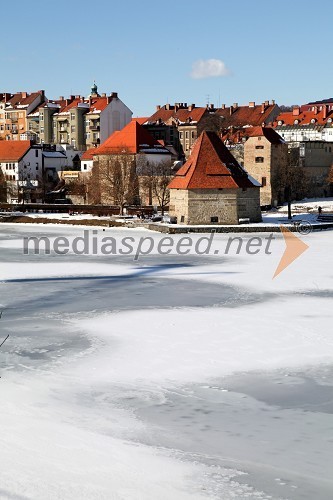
(125, 179)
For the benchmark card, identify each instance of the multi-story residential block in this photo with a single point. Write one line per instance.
(310, 122)
(82, 122)
(177, 125)
(15, 110)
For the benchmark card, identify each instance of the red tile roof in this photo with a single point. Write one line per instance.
(305, 116)
(13, 150)
(141, 119)
(179, 114)
(242, 116)
(19, 100)
(267, 132)
(88, 155)
(128, 140)
(98, 103)
(71, 105)
(210, 166)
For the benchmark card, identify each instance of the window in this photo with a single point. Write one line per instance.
(72, 116)
(259, 147)
(180, 135)
(186, 134)
(214, 219)
(259, 159)
(73, 128)
(182, 219)
(36, 153)
(41, 117)
(263, 181)
(85, 166)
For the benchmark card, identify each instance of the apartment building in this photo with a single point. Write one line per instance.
(15, 110)
(82, 122)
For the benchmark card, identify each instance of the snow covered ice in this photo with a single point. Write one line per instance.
(174, 377)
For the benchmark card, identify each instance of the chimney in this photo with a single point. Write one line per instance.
(324, 112)
(61, 98)
(222, 106)
(41, 92)
(185, 104)
(72, 97)
(316, 110)
(7, 97)
(252, 104)
(263, 106)
(231, 110)
(24, 95)
(211, 106)
(103, 95)
(82, 99)
(114, 95)
(77, 97)
(266, 103)
(176, 106)
(272, 102)
(191, 107)
(158, 107)
(296, 111)
(167, 107)
(235, 105)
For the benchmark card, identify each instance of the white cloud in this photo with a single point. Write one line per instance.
(209, 68)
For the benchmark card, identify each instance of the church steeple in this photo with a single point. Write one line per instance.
(94, 89)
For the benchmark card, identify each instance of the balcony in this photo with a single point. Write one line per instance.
(94, 127)
(63, 129)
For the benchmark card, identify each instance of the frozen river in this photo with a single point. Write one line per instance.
(171, 377)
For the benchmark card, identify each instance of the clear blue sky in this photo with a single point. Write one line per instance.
(145, 50)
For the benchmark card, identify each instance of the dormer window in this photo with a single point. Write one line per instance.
(296, 122)
(280, 122)
(313, 120)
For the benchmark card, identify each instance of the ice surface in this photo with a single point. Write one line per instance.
(175, 377)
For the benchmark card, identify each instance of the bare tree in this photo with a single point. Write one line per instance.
(116, 177)
(211, 122)
(155, 179)
(3, 188)
(290, 180)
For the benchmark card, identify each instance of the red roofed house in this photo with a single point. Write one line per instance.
(20, 165)
(123, 161)
(212, 188)
(265, 158)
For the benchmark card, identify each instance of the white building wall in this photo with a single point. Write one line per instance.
(86, 165)
(114, 117)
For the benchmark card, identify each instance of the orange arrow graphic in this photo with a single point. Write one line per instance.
(294, 248)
